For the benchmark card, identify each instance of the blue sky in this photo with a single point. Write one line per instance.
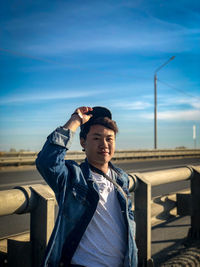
(58, 55)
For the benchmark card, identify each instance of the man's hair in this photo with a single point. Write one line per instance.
(104, 121)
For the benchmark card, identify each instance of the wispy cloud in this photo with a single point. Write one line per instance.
(48, 96)
(182, 115)
(86, 32)
(132, 105)
(176, 108)
(195, 103)
(115, 38)
(178, 102)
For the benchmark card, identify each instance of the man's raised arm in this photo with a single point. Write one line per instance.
(50, 161)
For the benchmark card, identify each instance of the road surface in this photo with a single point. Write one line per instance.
(11, 177)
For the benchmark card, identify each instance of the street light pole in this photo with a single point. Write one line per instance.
(155, 100)
(155, 111)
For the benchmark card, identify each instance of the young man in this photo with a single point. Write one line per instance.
(95, 224)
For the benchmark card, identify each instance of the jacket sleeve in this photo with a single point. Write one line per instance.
(50, 161)
(130, 205)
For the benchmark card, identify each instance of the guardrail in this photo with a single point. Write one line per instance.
(186, 204)
(39, 201)
(25, 158)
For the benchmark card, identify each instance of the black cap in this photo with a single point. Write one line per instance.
(96, 112)
(100, 112)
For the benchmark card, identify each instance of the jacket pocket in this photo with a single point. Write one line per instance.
(80, 193)
(75, 203)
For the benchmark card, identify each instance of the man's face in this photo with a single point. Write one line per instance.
(99, 145)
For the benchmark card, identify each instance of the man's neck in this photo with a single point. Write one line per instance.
(103, 168)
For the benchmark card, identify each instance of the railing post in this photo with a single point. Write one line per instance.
(42, 223)
(194, 233)
(21, 201)
(143, 221)
(19, 253)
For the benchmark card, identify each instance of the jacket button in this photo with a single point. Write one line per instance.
(61, 264)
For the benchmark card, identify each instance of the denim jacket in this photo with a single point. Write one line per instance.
(77, 195)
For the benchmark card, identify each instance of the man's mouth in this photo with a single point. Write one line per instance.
(103, 152)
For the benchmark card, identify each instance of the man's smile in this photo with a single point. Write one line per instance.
(103, 152)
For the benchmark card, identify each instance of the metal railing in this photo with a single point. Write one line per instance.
(186, 204)
(39, 201)
(24, 158)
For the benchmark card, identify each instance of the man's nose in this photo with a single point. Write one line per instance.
(103, 143)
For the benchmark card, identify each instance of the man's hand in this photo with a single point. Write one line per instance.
(79, 117)
(82, 113)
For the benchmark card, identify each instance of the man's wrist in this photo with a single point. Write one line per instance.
(78, 115)
(73, 123)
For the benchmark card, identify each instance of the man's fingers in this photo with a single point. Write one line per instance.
(86, 118)
(84, 110)
(90, 115)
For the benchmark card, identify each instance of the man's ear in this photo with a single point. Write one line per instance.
(82, 142)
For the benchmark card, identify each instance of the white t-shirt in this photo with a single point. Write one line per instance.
(104, 241)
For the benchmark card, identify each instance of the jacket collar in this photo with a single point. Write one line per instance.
(88, 174)
(86, 170)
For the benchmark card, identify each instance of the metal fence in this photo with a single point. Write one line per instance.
(186, 204)
(39, 201)
(25, 158)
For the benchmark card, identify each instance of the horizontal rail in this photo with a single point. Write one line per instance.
(12, 158)
(20, 199)
(11, 201)
(31, 153)
(169, 176)
(117, 152)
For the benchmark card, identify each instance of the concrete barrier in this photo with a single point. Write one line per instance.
(28, 158)
(143, 207)
(39, 201)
